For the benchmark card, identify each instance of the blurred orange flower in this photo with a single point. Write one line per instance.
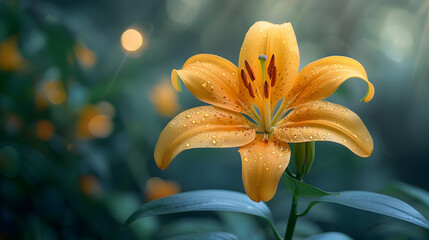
(266, 78)
(89, 185)
(84, 55)
(54, 92)
(164, 98)
(10, 57)
(157, 188)
(45, 130)
(96, 121)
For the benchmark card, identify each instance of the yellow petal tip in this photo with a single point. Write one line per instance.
(369, 94)
(175, 80)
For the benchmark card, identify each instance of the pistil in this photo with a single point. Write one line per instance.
(266, 109)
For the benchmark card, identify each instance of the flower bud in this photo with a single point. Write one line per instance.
(304, 156)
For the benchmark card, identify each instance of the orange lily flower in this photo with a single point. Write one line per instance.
(264, 104)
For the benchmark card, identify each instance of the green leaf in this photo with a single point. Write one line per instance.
(376, 203)
(205, 200)
(415, 192)
(206, 236)
(330, 236)
(300, 189)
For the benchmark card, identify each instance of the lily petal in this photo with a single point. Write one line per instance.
(263, 162)
(211, 79)
(325, 121)
(319, 79)
(202, 127)
(268, 39)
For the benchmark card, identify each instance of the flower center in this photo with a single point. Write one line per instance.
(260, 91)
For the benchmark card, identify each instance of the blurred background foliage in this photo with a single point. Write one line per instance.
(79, 116)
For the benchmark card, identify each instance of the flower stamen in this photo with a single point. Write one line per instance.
(252, 94)
(244, 78)
(249, 70)
(266, 89)
(274, 76)
(270, 66)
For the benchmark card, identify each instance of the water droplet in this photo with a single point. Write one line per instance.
(207, 125)
(341, 67)
(245, 159)
(354, 135)
(206, 115)
(193, 121)
(345, 140)
(184, 125)
(188, 116)
(204, 84)
(198, 113)
(280, 166)
(188, 144)
(214, 141)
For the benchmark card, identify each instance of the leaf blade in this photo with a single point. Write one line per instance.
(330, 236)
(206, 236)
(205, 200)
(301, 189)
(376, 203)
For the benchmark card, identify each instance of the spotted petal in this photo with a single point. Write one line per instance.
(319, 79)
(268, 39)
(212, 79)
(263, 163)
(202, 127)
(325, 121)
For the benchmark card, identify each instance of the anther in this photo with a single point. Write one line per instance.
(249, 70)
(266, 90)
(274, 76)
(270, 66)
(252, 94)
(244, 78)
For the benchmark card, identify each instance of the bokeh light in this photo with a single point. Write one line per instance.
(55, 92)
(396, 38)
(157, 188)
(10, 56)
(165, 99)
(44, 129)
(100, 126)
(96, 121)
(131, 40)
(183, 12)
(84, 55)
(89, 185)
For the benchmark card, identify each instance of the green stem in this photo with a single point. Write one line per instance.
(293, 217)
